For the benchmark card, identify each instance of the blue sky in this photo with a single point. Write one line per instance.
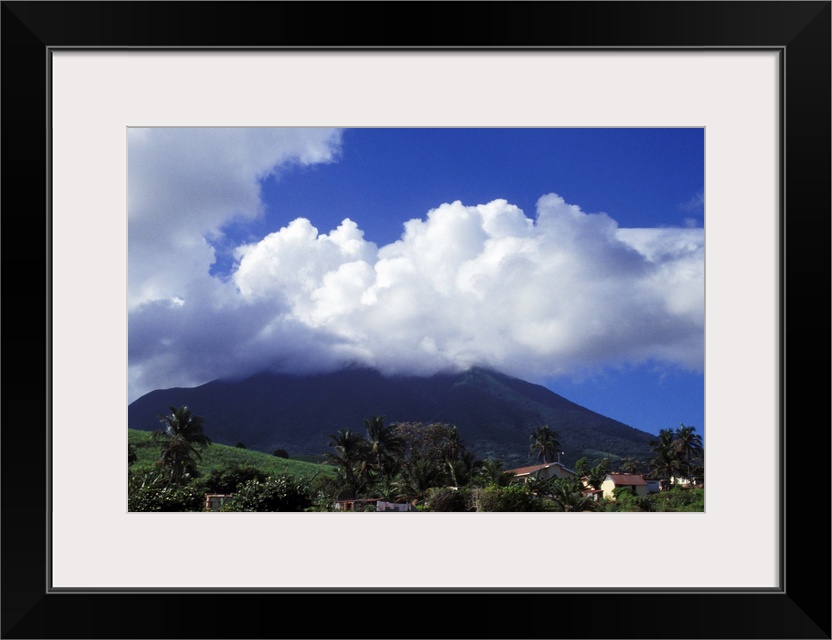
(569, 257)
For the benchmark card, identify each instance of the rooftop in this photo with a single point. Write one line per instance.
(522, 471)
(628, 479)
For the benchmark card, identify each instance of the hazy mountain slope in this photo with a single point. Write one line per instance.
(495, 413)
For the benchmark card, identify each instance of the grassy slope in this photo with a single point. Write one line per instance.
(218, 456)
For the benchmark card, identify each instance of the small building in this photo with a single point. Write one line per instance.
(215, 501)
(361, 504)
(595, 494)
(382, 505)
(543, 471)
(615, 480)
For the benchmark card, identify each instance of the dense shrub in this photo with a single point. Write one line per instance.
(511, 498)
(627, 501)
(157, 497)
(281, 493)
(679, 499)
(229, 479)
(675, 499)
(447, 499)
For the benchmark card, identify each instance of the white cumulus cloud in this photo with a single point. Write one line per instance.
(184, 185)
(487, 284)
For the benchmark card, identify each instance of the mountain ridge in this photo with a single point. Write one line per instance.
(494, 413)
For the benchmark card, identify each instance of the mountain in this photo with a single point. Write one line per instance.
(494, 413)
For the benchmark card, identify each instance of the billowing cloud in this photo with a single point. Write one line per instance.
(184, 185)
(484, 284)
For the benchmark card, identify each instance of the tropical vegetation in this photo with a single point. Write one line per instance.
(425, 466)
(678, 454)
(545, 444)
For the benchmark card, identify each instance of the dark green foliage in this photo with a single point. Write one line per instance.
(678, 499)
(630, 464)
(385, 452)
(349, 455)
(515, 497)
(434, 455)
(228, 480)
(179, 460)
(448, 499)
(227, 468)
(181, 435)
(618, 492)
(539, 486)
(157, 496)
(240, 445)
(464, 470)
(567, 495)
(665, 463)
(627, 501)
(418, 476)
(282, 493)
(434, 441)
(598, 474)
(324, 490)
(560, 494)
(491, 471)
(402, 461)
(425, 464)
(688, 449)
(545, 444)
(678, 453)
(280, 453)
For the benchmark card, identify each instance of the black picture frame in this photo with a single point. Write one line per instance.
(800, 608)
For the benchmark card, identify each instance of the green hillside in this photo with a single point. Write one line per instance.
(220, 456)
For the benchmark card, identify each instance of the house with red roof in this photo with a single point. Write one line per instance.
(615, 480)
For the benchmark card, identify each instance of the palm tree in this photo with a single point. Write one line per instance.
(350, 456)
(539, 486)
(463, 470)
(386, 447)
(180, 459)
(598, 473)
(455, 445)
(688, 448)
(629, 464)
(182, 423)
(418, 476)
(665, 463)
(181, 434)
(545, 444)
(568, 495)
(491, 471)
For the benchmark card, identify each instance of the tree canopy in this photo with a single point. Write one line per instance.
(182, 435)
(545, 444)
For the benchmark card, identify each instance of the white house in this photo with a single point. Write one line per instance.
(615, 480)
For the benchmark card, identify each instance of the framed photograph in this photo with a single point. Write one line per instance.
(85, 84)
